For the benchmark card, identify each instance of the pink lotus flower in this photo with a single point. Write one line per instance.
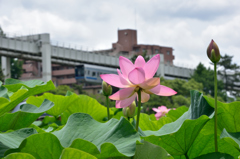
(161, 111)
(133, 77)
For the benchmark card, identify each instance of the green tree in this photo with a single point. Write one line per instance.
(144, 55)
(78, 88)
(183, 87)
(61, 90)
(1, 74)
(205, 76)
(180, 100)
(230, 74)
(182, 97)
(2, 33)
(16, 68)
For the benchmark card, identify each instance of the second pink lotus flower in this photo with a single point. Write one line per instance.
(161, 111)
(133, 77)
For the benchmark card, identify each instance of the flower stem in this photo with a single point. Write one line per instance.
(107, 103)
(215, 96)
(139, 108)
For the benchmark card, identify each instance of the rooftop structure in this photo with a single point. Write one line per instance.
(127, 46)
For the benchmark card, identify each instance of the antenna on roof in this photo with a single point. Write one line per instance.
(135, 16)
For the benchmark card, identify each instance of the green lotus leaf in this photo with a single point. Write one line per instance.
(13, 139)
(216, 155)
(118, 115)
(38, 129)
(3, 92)
(3, 100)
(71, 153)
(228, 115)
(199, 105)
(204, 143)
(146, 123)
(41, 146)
(13, 84)
(15, 99)
(61, 103)
(48, 120)
(175, 114)
(175, 137)
(148, 150)
(232, 138)
(86, 104)
(19, 156)
(85, 146)
(107, 149)
(21, 92)
(24, 117)
(114, 133)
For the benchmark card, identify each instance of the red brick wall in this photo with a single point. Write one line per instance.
(127, 38)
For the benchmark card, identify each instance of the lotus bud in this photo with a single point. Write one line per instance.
(213, 52)
(106, 88)
(129, 111)
(125, 110)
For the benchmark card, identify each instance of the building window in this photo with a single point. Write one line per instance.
(70, 76)
(156, 51)
(144, 50)
(168, 52)
(137, 50)
(124, 52)
(70, 67)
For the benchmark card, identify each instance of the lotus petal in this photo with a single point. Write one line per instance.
(162, 90)
(139, 62)
(137, 76)
(123, 94)
(151, 66)
(113, 80)
(126, 66)
(125, 102)
(150, 83)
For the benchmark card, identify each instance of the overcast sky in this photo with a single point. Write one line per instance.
(187, 25)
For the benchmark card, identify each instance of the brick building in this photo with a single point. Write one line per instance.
(127, 46)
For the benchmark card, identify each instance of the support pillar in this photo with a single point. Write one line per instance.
(161, 68)
(46, 57)
(6, 66)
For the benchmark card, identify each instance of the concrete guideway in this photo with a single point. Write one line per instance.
(38, 47)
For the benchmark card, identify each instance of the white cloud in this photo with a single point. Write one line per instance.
(187, 26)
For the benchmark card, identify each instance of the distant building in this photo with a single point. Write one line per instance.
(126, 46)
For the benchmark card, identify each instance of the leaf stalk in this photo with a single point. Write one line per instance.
(139, 108)
(215, 96)
(107, 103)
